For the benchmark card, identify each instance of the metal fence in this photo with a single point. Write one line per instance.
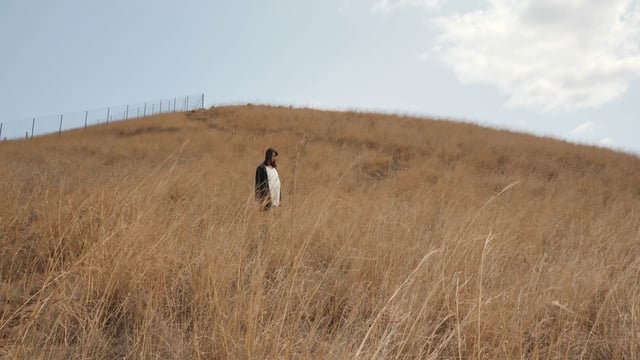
(41, 125)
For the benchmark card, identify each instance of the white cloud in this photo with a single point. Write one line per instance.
(587, 128)
(546, 54)
(590, 133)
(387, 6)
(608, 142)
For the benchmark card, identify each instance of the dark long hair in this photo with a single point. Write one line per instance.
(269, 155)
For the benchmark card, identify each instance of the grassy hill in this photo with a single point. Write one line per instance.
(399, 238)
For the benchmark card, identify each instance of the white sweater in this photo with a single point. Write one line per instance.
(274, 185)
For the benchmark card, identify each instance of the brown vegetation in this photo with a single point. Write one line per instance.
(399, 238)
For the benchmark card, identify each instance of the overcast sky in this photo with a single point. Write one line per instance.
(565, 68)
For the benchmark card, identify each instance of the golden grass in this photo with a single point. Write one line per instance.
(399, 238)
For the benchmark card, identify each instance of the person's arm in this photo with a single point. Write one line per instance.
(280, 200)
(262, 184)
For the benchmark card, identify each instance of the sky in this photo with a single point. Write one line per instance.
(569, 69)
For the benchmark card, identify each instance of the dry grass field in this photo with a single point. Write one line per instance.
(398, 238)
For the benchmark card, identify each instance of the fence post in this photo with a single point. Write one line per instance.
(153, 108)
(202, 100)
(0, 129)
(138, 115)
(60, 130)
(187, 109)
(108, 112)
(126, 114)
(174, 104)
(33, 124)
(86, 115)
(160, 112)
(145, 110)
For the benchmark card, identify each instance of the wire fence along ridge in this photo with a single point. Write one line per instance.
(42, 125)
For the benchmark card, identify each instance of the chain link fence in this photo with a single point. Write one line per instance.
(42, 125)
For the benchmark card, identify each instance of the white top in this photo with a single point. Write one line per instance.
(274, 185)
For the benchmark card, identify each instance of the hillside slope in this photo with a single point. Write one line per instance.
(398, 238)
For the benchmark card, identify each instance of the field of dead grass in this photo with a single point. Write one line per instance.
(399, 238)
